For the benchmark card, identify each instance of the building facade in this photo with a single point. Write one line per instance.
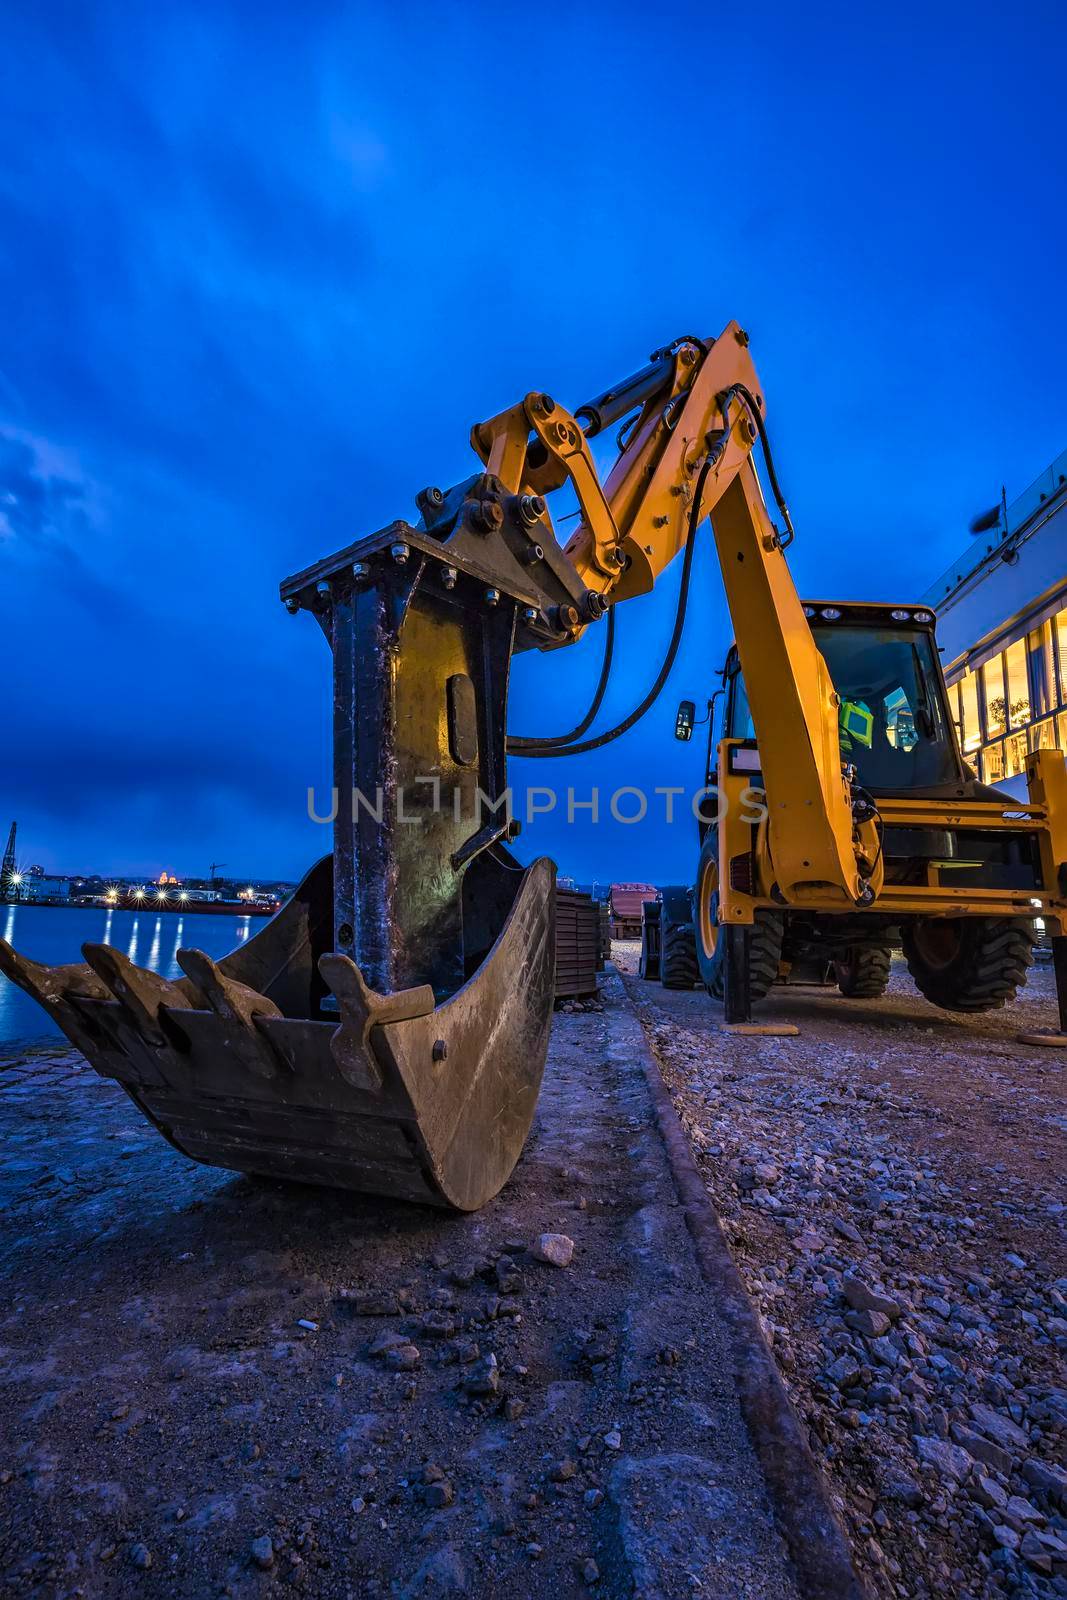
(35, 886)
(1002, 626)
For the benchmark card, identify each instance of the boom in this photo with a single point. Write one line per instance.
(700, 418)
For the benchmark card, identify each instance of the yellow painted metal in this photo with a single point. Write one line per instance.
(504, 444)
(1046, 780)
(811, 837)
(762, 1030)
(651, 486)
(808, 851)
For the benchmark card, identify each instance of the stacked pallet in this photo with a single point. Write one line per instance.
(605, 935)
(577, 944)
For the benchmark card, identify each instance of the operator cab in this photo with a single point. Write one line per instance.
(893, 719)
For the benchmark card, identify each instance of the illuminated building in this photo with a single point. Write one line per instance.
(1002, 626)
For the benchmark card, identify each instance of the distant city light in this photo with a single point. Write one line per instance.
(161, 894)
(183, 895)
(16, 877)
(138, 894)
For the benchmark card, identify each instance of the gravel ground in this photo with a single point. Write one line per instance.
(891, 1183)
(213, 1386)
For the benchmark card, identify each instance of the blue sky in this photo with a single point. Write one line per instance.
(262, 267)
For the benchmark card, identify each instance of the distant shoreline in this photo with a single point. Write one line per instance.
(213, 908)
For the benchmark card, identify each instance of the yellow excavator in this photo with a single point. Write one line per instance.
(387, 1030)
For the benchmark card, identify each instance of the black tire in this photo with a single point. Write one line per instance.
(969, 963)
(678, 956)
(765, 935)
(649, 964)
(864, 974)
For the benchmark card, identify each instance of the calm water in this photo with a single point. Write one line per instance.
(55, 935)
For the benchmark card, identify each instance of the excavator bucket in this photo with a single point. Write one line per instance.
(386, 1031)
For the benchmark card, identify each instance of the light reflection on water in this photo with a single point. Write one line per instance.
(55, 935)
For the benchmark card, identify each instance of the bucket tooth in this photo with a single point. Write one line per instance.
(362, 1009)
(140, 992)
(51, 987)
(238, 1006)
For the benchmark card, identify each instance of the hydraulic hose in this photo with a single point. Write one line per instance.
(519, 745)
(546, 748)
(757, 416)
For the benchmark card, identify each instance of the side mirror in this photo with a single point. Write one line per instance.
(685, 721)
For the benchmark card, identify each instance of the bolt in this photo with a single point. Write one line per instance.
(531, 614)
(360, 569)
(561, 433)
(399, 553)
(548, 403)
(595, 605)
(660, 522)
(492, 597)
(292, 605)
(616, 556)
(565, 617)
(440, 1049)
(531, 508)
(429, 502)
(750, 428)
(323, 590)
(488, 515)
(687, 355)
(532, 553)
(448, 577)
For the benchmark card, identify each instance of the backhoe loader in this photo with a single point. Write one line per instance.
(387, 1030)
(961, 863)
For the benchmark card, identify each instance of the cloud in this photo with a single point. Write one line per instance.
(44, 510)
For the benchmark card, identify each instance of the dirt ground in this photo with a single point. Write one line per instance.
(214, 1386)
(891, 1182)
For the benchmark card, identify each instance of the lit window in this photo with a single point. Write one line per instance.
(972, 730)
(993, 680)
(1042, 677)
(1018, 685)
(1059, 651)
(993, 763)
(1016, 754)
(1043, 736)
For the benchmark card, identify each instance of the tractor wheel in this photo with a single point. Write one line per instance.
(678, 957)
(864, 974)
(765, 935)
(969, 963)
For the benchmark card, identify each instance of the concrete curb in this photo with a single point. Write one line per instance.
(816, 1542)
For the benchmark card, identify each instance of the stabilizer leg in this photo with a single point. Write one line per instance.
(738, 998)
(737, 995)
(1058, 1039)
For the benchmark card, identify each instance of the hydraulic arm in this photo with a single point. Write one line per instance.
(387, 1030)
(687, 454)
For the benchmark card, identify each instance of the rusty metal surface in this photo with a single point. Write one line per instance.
(393, 1096)
(387, 1030)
